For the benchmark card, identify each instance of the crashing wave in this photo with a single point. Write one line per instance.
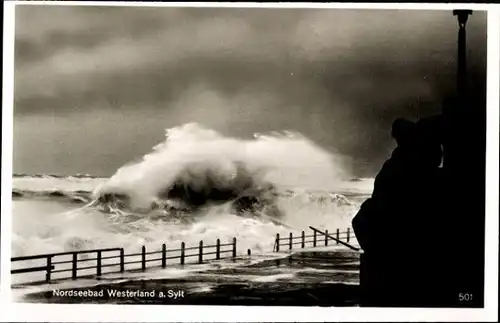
(196, 170)
(198, 166)
(187, 199)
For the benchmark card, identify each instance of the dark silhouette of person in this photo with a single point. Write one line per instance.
(397, 225)
(377, 212)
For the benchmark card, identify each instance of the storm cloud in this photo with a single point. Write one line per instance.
(96, 86)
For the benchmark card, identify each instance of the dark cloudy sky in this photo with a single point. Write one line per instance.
(95, 87)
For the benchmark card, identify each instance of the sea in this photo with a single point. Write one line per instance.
(195, 185)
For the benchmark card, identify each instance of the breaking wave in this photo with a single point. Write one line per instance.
(197, 184)
(195, 166)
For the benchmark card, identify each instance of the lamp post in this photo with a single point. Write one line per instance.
(464, 163)
(462, 16)
(454, 110)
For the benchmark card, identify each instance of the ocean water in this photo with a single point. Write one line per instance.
(196, 185)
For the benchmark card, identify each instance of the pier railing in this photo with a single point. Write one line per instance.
(316, 239)
(95, 262)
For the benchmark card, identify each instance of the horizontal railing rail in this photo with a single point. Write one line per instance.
(31, 257)
(31, 269)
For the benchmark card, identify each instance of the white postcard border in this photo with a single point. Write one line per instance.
(134, 313)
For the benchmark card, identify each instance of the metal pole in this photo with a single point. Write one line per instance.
(462, 16)
(143, 257)
(200, 252)
(49, 268)
(452, 138)
(122, 260)
(163, 256)
(217, 250)
(183, 246)
(74, 269)
(99, 256)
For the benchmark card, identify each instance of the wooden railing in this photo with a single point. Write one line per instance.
(74, 262)
(315, 239)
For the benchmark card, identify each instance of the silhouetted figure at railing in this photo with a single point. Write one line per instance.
(399, 224)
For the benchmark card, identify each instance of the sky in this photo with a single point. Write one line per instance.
(96, 87)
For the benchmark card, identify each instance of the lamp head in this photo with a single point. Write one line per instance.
(463, 15)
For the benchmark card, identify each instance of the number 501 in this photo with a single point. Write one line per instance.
(464, 297)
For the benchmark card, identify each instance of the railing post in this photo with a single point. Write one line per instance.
(75, 260)
(277, 242)
(326, 237)
(348, 235)
(200, 252)
(99, 256)
(183, 246)
(217, 250)
(49, 268)
(290, 243)
(143, 260)
(122, 260)
(234, 247)
(314, 239)
(303, 239)
(163, 256)
(338, 235)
